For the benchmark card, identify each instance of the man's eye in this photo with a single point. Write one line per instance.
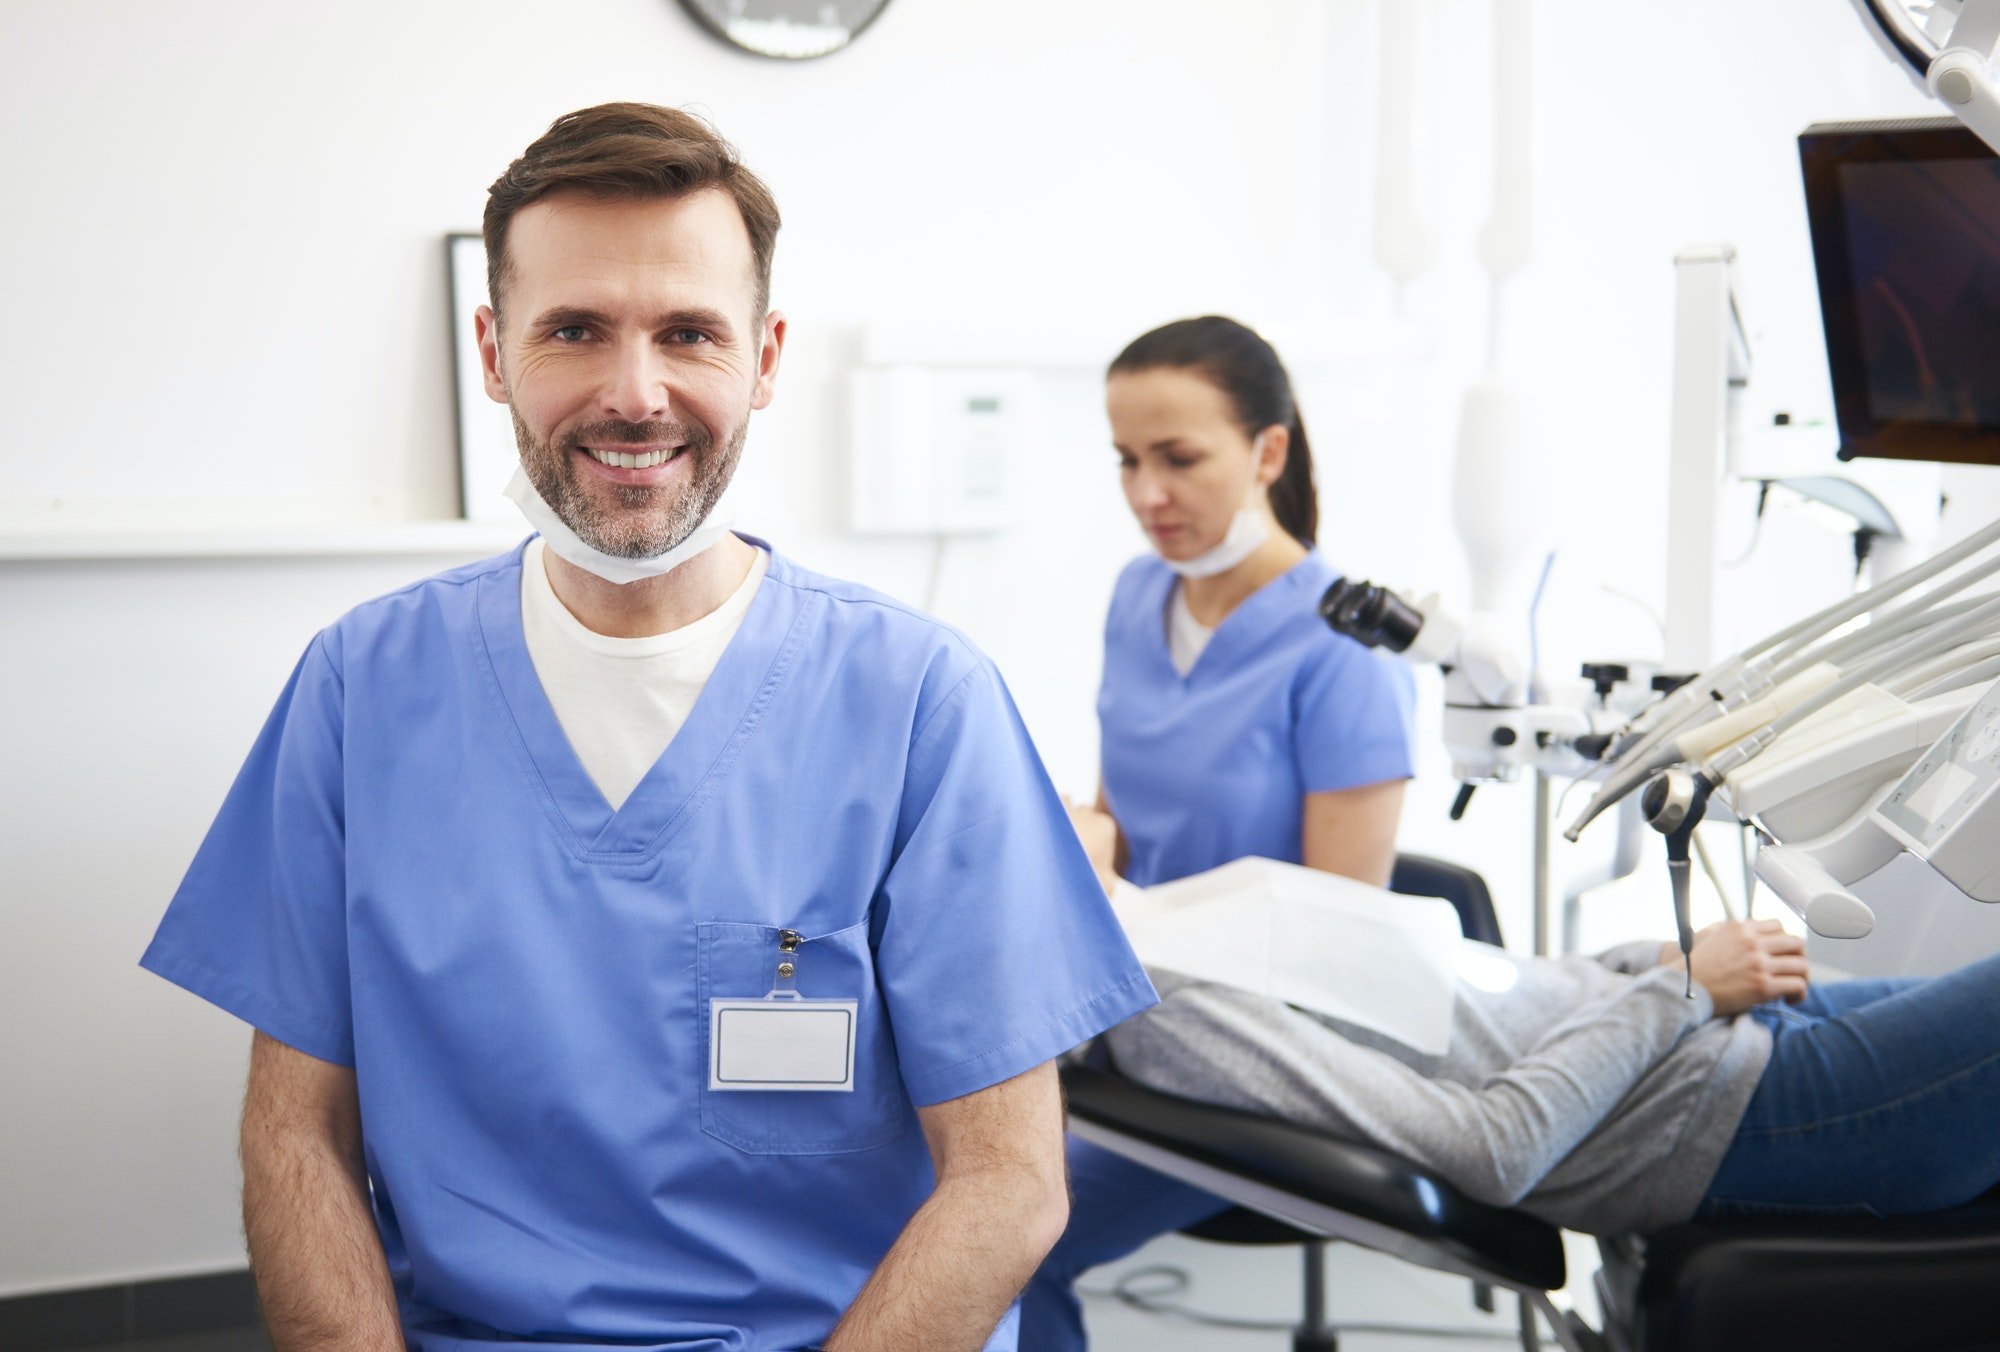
(570, 333)
(688, 337)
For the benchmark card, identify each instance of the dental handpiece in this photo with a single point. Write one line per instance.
(1674, 804)
(1677, 874)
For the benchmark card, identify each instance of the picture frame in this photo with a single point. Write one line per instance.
(487, 454)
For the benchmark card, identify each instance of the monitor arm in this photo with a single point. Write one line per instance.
(1956, 69)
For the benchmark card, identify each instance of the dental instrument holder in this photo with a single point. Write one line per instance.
(1941, 810)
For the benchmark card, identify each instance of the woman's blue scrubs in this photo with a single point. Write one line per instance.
(1200, 770)
(414, 875)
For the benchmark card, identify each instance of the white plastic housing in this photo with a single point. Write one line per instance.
(935, 451)
(1499, 500)
(1946, 810)
(1826, 769)
(1962, 79)
(1827, 907)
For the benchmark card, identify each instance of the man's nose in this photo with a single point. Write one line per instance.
(636, 387)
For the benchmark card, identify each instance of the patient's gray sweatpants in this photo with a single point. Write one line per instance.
(1592, 1092)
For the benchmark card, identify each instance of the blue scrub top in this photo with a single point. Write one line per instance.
(414, 875)
(1214, 766)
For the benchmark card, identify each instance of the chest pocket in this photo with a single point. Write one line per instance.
(738, 961)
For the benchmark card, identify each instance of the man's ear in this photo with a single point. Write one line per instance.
(771, 346)
(486, 329)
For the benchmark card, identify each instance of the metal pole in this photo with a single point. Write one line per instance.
(1544, 921)
(1530, 1339)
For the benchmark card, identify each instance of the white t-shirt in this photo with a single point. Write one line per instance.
(1186, 636)
(621, 700)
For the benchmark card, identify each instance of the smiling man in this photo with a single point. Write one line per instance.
(649, 942)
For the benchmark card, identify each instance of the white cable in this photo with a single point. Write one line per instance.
(1782, 644)
(1729, 760)
(1789, 640)
(1749, 871)
(1943, 639)
(1957, 680)
(1714, 878)
(1928, 672)
(1737, 675)
(1930, 608)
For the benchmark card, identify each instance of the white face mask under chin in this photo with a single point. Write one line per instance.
(1249, 530)
(611, 567)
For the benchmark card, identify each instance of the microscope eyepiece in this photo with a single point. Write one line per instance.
(1372, 616)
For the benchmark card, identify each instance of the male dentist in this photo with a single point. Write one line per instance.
(649, 942)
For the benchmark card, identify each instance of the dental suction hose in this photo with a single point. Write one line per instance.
(1723, 682)
(1933, 642)
(1674, 804)
(1647, 745)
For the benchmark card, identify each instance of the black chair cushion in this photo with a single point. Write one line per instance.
(1356, 1180)
(1419, 875)
(1818, 1284)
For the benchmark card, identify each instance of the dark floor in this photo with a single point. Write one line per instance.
(231, 1340)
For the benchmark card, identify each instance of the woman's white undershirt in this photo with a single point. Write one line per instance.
(1186, 636)
(621, 700)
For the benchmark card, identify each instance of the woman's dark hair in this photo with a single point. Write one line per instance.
(1234, 359)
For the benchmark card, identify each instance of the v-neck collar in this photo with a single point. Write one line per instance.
(753, 667)
(1256, 617)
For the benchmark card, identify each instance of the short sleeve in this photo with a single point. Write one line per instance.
(1355, 720)
(258, 926)
(996, 948)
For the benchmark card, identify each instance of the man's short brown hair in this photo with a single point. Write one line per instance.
(624, 150)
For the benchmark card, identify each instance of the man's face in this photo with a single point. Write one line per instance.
(631, 355)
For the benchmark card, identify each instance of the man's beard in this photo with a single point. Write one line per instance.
(637, 522)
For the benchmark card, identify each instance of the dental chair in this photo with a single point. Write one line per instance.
(1778, 1284)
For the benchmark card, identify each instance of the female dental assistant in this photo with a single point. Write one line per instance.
(1234, 721)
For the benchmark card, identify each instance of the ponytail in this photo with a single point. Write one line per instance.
(1295, 497)
(1237, 361)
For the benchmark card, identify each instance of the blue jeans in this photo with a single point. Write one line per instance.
(1118, 1206)
(1882, 1098)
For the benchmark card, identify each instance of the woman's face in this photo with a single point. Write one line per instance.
(1186, 464)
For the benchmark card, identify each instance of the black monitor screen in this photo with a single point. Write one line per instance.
(1905, 220)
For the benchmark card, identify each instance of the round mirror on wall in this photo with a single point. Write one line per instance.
(791, 30)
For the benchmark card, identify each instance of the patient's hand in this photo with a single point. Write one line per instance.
(1741, 963)
(1099, 834)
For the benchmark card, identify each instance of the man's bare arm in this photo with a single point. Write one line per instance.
(1000, 1205)
(321, 1277)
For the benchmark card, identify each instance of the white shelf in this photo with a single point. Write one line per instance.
(466, 539)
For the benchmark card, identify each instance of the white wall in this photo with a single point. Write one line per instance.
(223, 268)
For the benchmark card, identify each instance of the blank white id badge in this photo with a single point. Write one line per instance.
(782, 1041)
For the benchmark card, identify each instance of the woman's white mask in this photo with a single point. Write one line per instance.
(611, 567)
(1250, 528)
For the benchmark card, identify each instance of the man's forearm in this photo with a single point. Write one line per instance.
(321, 1277)
(957, 1266)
